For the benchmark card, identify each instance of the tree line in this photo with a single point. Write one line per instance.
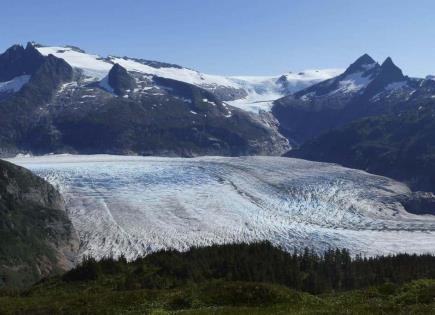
(306, 270)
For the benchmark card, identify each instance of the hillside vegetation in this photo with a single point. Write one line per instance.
(400, 146)
(236, 279)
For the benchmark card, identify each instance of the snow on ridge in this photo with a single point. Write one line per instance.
(183, 74)
(14, 85)
(306, 75)
(314, 75)
(96, 66)
(261, 90)
(92, 65)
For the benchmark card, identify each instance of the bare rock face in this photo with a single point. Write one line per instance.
(420, 202)
(36, 237)
(120, 81)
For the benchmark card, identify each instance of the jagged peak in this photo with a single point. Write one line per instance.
(117, 67)
(388, 73)
(361, 64)
(365, 59)
(389, 69)
(120, 80)
(388, 62)
(30, 45)
(15, 48)
(35, 44)
(18, 48)
(31, 49)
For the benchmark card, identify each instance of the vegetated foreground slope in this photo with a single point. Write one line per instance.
(236, 279)
(36, 237)
(136, 205)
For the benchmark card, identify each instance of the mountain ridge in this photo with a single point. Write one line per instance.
(68, 109)
(365, 89)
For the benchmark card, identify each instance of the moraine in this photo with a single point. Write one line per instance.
(135, 205)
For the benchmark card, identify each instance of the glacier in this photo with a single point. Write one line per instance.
(135, 205)
(260, 91)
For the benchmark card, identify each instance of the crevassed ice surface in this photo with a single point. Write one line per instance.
(135, 205)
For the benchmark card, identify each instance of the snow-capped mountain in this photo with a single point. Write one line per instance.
(262, 91)
(17, 65)
(366, 88)
(249, 93)
(55, 99)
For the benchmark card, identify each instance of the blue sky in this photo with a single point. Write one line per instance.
(246, 37)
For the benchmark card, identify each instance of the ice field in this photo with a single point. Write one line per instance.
(135, 205)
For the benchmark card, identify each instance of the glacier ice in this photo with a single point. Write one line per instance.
(136, 205)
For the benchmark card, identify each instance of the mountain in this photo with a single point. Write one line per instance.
(246, 92)
(400, 146)
(364, 89)
(75, 102)
(262, 91)
(17, 61)
(36, 237)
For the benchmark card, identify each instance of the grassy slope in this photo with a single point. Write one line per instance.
(219, 297)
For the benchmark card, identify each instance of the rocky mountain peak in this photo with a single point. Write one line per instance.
(363, 63)
(17, 61)
(390, 69)
(388, 73)
(120, 80)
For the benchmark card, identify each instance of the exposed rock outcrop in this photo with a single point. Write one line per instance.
(36, 237)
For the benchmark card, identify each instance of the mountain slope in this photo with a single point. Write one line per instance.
(251, 92)
(401, 146)
(91, 105)
(36, 236)
(163, 117)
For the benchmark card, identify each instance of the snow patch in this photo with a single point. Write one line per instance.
(396, 86)
(14, 85)
(91, 65)
(183, 74)
(104, 83)
(353, 82)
